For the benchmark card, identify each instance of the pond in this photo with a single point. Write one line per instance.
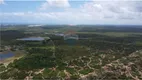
(32, 39)
(6, 55)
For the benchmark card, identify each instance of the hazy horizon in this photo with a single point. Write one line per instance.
(106, 12)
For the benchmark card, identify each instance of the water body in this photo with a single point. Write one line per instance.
(32, 39)
(71, 41)
(6, 55)
(59, 34)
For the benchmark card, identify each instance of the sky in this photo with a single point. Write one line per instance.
(117, 12)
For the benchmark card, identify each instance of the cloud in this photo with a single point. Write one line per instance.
(95, 12)
(54, 4)
(2, 2)
(28, 17)
(114, 9)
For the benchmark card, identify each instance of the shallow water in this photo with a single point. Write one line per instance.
(6, 55)
(32, 39)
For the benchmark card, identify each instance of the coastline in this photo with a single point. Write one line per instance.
(9, 60)
(18, 55)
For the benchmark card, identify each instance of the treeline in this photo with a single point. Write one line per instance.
(111, 29)
(102, 43)
(126, 39)
(11, 34)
